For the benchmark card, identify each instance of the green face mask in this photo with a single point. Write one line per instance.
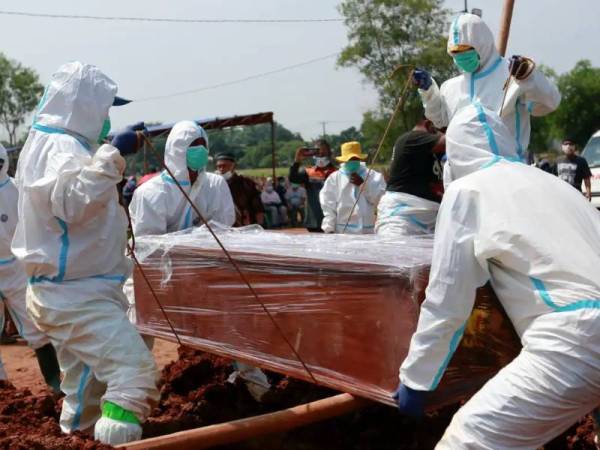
(105, 130)
(467, 61)
(352, 166)
(197, 157)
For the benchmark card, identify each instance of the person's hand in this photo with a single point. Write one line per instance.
(422, 79)
(299, 155)
(588, 194)
(356, 179)
(410, 401)
(520, 67)
(130, 139)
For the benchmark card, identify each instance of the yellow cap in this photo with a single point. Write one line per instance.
(459, 48)
(351, 150)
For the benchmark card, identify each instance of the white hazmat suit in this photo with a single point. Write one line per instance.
(403, 214)
(72, 236)
(534, 95)
(159, 207)
(339, 195)
(13, 281)
(495, 224)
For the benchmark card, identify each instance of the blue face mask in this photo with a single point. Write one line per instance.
(197, 157)
(352, 166)
(467, 61)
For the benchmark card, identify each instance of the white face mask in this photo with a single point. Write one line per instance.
(321, 161)
(227, 175)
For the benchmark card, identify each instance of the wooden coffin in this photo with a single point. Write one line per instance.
(349, 314)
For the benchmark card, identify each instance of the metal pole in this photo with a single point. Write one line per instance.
(466, 7)
(507, 13)
(273, 159)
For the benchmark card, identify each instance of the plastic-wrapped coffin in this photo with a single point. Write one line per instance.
(349, 305)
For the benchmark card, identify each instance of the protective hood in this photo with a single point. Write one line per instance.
(77, 100)
(475, 139)
(4, 170)
(469, 29)
(180, 138)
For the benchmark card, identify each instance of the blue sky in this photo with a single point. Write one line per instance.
(152, 59)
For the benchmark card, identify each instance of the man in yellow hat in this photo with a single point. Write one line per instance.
(341, 190)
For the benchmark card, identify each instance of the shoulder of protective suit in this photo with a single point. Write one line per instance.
(152, 189)
(452, 83)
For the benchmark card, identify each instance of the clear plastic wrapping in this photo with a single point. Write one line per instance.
(349, 304)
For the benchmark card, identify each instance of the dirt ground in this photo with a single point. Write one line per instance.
(194, 393)
(23, 372)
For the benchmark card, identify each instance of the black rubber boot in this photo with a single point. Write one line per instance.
(48, 363)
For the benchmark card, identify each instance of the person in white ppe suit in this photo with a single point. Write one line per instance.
(493, 224)
(414, 188)
(484, 73)
(71, 237)
(341, 190)
(159, 207)
(13, 283)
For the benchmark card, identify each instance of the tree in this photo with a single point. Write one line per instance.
(20, 91)
(383, 34)
(578, 115)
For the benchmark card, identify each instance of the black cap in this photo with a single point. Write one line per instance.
(225, 157)
(120, 101)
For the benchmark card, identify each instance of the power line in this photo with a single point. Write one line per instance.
(160, 19)
(240, 80)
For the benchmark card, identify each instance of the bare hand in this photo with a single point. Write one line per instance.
(356, 179)
(299, 155)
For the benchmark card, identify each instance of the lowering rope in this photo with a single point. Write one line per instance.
(397, 109)
(229, 257)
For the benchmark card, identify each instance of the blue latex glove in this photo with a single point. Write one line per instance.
(422, 79)
(410, 402)
(127, 140)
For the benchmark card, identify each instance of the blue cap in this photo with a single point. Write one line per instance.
(120, 101)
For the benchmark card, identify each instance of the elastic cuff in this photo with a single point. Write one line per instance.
(113, 411)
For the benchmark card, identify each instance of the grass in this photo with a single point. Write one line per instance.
(284, 171)
(265, 172)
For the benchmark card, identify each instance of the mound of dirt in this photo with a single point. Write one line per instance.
(195, 393)
(30, 422)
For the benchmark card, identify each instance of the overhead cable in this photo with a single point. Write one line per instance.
(160, 19)
(240, 80)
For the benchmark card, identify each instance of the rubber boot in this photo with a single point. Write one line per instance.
(48, 363)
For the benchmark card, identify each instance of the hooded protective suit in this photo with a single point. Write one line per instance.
(13, 281)
(339, 195)
(158, 206)
(71, 236)
(533, 96)
(493, 224)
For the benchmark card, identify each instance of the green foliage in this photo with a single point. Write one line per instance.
(251, 146)
(578, 115)
(20, 91)
(383, 34)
